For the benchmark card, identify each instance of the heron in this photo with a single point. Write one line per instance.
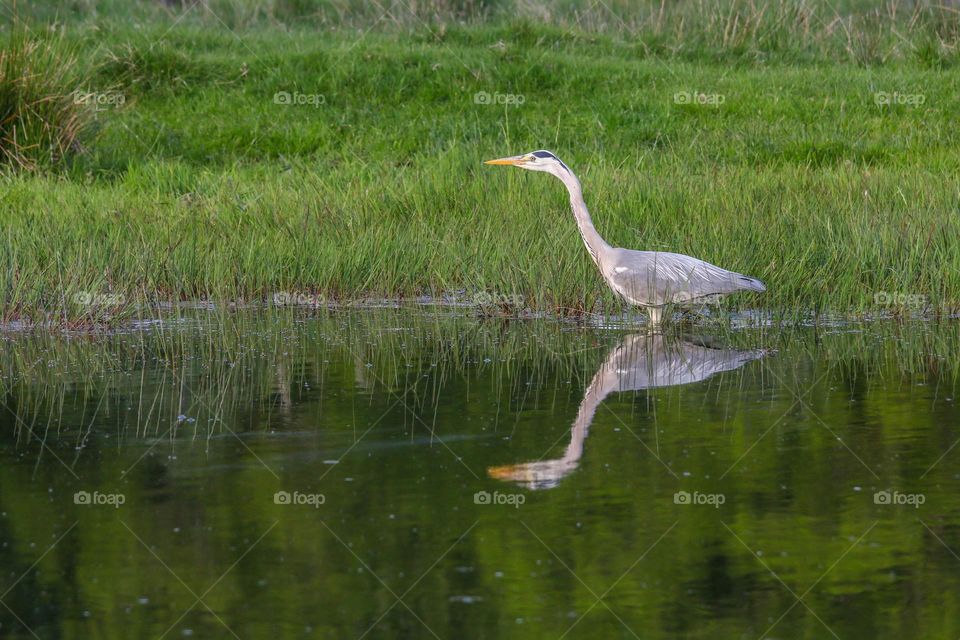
(649, 279)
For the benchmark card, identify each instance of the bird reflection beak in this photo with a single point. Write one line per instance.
(514, 160)
(506, 472)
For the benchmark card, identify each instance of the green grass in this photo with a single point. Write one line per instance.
(200, 186)
(41, 118)
(860, 31)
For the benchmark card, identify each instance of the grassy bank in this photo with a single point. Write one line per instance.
(244, 162)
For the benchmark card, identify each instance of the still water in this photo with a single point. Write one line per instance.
(398, 474)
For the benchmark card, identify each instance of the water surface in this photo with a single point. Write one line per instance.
(388, 474)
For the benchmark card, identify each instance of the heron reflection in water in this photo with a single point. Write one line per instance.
(638, 362)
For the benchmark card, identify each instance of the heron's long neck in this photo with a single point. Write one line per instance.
(588, 232)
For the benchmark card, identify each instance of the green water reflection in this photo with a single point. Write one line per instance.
(390, 474)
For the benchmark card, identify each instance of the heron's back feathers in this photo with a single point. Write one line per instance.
(655, 278)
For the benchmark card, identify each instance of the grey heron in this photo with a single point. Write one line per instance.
(638, 362)
(650, 279)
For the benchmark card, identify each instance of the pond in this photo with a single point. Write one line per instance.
(428, 474)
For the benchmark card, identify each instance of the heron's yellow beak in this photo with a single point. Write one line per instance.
(514, 160)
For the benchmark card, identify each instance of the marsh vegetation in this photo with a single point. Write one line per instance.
(283, 149)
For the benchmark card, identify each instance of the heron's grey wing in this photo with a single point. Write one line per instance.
(656, 277)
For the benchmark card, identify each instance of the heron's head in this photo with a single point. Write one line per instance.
(536, 161)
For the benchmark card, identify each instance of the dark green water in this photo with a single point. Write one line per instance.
(389, 474)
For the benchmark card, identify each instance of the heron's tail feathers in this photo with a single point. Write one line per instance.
(750, 284)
